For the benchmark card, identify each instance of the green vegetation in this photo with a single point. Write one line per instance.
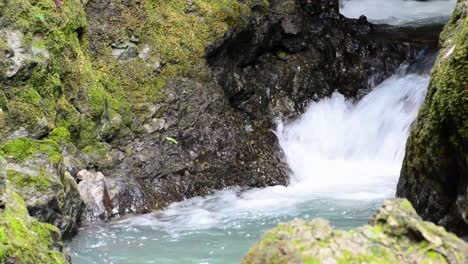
(24, 239)
(88, 91)
(22, 148)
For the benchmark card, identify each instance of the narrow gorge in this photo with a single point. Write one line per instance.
(175, 131)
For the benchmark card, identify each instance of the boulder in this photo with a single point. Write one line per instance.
(395, 234)
(434, 176)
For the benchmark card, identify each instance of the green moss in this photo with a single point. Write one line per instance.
(73, 90)
(22, 148)
(23, 239)
(60, 134)
(409, 239)
(281, 54)
(21, 181)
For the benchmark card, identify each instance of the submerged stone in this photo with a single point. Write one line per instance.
(395, 234)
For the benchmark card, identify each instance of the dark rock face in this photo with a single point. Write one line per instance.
(434, 176)
(215, 147)
(298, 51)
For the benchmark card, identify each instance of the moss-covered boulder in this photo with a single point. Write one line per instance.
(434, 176)
(395, 234)
(24, 239)
(36, 171)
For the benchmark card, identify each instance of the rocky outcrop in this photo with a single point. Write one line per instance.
(395, 234)
(434, 176)
(93, 191)
(275, 59)
(297, 51)
(24, 239)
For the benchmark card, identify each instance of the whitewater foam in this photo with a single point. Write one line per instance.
(397, 11)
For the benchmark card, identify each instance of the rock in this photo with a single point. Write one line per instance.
(283, 56)
(395, 234)
(2, 174)
(19, 56)
(109, 63)
(299, 51)
(23, 239)
(434, 176)
(156, 124)
(2, 181)
(93, 191)
(124, 51)
(35, 172)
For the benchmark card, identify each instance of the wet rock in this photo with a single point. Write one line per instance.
(284, 55)
(298, 51)
(128, 196)
(395, 234)
(210, 142)
(434, 176)
(93, 191)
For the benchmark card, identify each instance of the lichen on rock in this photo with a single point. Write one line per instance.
(395, 234)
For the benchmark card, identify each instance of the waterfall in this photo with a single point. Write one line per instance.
(397, 11)
(340, 147)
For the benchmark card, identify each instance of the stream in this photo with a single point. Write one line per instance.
(345, 158)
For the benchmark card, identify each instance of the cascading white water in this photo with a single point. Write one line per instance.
(397, 11)
(341, 147)
(345, 159)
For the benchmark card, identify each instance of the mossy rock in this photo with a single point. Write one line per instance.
(22, 238)
(35, 171)
(434, 176)
(396, 234)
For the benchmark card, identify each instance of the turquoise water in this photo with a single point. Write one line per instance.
(155, 238)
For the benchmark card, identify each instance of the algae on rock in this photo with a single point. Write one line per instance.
(434, 176)
(395, 234)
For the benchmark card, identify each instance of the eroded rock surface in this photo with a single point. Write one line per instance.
(395, 234)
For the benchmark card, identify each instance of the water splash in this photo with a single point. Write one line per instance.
(340, 148)
(397, 11)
